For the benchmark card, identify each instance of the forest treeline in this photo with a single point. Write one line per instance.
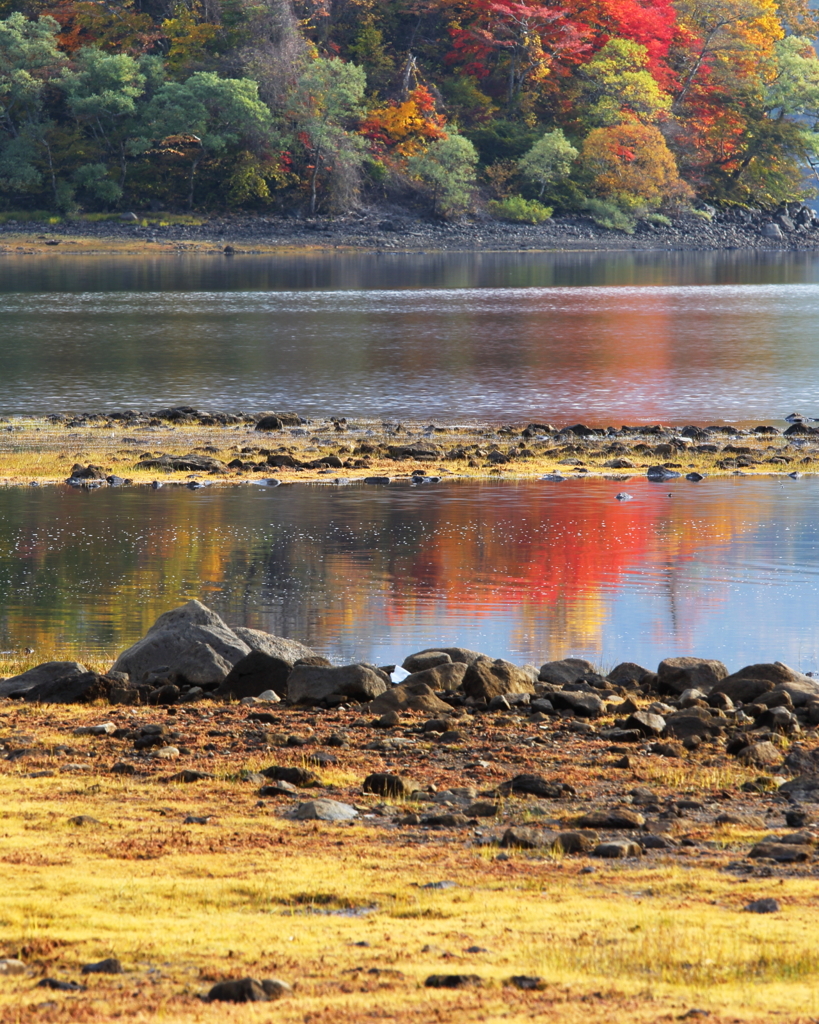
(617, 107)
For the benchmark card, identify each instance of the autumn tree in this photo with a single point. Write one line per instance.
(631, 165)
(522, 44)
(617, 86)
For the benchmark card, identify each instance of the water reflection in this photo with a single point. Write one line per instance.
(609, 339)
(532, 571)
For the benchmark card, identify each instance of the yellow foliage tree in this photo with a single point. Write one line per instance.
(631, 165)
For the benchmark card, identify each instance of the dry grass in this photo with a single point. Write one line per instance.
(42, 452)
(340, 910)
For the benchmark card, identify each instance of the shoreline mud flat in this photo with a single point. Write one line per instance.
(397, 230)
(189, 446)
(476, 841)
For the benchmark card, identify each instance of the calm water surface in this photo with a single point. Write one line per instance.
(530, 571)
(607, 338)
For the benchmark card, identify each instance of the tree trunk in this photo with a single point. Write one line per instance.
(314, 181)
(194, 165)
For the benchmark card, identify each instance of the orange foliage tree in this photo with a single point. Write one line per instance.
(403, 129)
(631, 165)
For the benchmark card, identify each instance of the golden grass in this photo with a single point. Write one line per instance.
(249, 893)
(39, 451)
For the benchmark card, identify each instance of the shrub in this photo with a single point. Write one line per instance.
(607, 215)
(520, 210)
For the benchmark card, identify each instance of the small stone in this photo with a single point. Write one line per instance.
(105, 729)
(189, 775)
(123, 768)
(453, 981)
(166, 753)
(482, 809)
(279, 789)
(527, 982)
(109, 966)
(619, 817)
(766, 906)
(323, 810)
(11, 966)
(385, 784)
(61, 986)
(619, 848)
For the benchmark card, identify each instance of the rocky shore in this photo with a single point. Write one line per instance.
(791, 228)
(447, 717)
(193, 447)
(458, 827)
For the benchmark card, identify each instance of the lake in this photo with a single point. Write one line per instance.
(528, 571)
(605, 338)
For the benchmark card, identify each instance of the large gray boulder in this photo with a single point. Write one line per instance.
(313, 684)
(675, 675)
(447, 677)
(568, 670)
(487, 679)
(275, 646)
(191, 643)
(753, 681)
(48, 672)
(459, 654)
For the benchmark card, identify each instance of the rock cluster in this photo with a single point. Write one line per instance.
(191, 654)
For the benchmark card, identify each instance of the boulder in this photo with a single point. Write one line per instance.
(799, 690)
(73, 689)
(190, 643)
(761, 755)
(190, 463)
(484, 680)
(586, 705)
(742, 691)
(519, 837)
(646, 722)
(682, 725)
(678, 674)
(569, 670)
(618, 849)
(312, 684)
(428, 659)
(254, 674)
(409, 696)
(447, 676)
(627, 672)
(275, 646)
(455, 654)
(248, 990)
(45, 673)
(536, 785)
(802, 788)
(271, 422)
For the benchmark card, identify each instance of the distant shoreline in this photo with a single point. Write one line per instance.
(382, 232)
